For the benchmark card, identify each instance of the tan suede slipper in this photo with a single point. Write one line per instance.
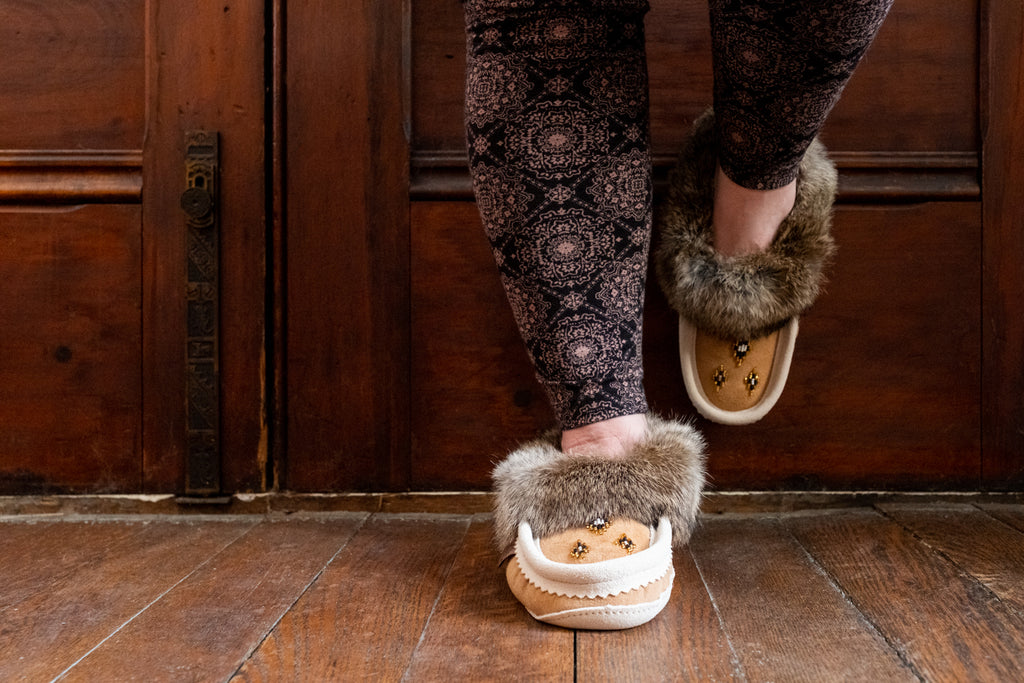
(577, 579)
(739, 315)
(735, 381)
(590, 539)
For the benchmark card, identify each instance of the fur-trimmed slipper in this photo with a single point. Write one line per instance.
(738, 316)
(591, 539)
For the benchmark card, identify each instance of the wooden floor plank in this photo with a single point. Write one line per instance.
(479, 632)
(985, 547)
(805, 596)
(1012, 515)
(685, 642)
(946, 624)
(785, 619)
(106, 586)
(204, 628)
(35, 556)
(365, 614)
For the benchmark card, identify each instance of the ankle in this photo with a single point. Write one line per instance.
(745, 221)
(613, 438)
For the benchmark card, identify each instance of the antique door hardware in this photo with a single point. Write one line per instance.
(199, 202)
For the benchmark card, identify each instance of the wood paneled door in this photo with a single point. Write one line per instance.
(98, 96)
(403, 367)
(362, 341)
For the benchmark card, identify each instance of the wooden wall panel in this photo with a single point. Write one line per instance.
(70, 352)
(205, 72)
(71, 129)
(346, 245)
(916, 90)
(72, 74)
(98, 96)
(1003, 304)
(886, 387)
(473, 388)
(884, 391)
(917, 87)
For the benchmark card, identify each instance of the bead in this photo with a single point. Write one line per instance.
(751, 381)
(719, 377)
(740, 350)
(626, 543)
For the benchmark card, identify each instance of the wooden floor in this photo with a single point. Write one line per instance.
(889, 593)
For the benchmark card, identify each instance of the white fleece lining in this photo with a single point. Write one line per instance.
(780, 371)
(597, 579)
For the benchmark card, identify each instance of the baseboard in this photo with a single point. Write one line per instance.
(458, 502)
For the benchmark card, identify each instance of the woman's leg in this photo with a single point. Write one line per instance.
(557, 127)
(780, 66)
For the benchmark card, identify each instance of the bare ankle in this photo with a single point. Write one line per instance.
(745, 220)
(613, 438)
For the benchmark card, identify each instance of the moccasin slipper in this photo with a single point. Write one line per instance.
(590, 539)
(738, 316)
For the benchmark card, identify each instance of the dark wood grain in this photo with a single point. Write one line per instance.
(277, 367)
(924, 60)
(205, 627)
(1009, 514)
(687, 641)
(73, 76)
(474, 394)
(420, 597)
(862, 408)
(885, 385)
(986, 548)
(784, 617)
(205, 71)
(1003, 290)
(70, 177)
(479, 632)
(944, 623)
(328, 310)
(30, 566)
(107, 575)
(70, 382)
(347, 250)
(98, 98)
(394, 364)
(364, 617)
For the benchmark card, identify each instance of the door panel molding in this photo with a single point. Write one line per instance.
(71, 177)
(863, 176)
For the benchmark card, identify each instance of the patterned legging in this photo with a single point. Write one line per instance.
(557, 128)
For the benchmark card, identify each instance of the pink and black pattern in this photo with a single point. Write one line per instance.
(557, 131)
(780, 66)
(556, 114)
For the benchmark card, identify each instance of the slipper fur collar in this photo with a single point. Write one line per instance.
(748, 296)
(552, 490)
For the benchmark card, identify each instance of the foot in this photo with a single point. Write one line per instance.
(745, 220)
(612, 439)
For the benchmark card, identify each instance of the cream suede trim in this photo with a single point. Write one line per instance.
(597, 579)
(609, 617)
